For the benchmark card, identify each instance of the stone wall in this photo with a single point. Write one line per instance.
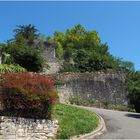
(12, 128)
(51, 60)
(109, 86)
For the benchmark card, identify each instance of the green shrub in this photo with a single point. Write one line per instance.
(28, 57)
(7, 59)
(123, 108)
(133, 80)
(79, 101)
(76, 101)
(4, 68)
(67, 67)
(135, 99)
(27, 94)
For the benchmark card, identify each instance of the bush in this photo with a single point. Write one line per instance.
(135, 99)
(27, 94)
(79, 101)
(76, 101)
(67, 67)
(28, 57)
(133, 80)
(4, 68)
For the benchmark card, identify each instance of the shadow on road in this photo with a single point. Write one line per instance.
(137, 116)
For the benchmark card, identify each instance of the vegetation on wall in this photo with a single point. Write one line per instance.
(83, 50)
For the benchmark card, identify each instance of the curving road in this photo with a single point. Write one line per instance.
(120, 125)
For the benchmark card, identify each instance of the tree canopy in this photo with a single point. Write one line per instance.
(82, 50)
(20, 49)
(26, 33)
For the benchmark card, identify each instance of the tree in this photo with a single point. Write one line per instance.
(81, 60)
(83, 48)
(26, 33)
(127, 66)
(22, 49)
(133, 79)
(27, 57)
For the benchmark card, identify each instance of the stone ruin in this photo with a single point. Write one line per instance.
(103, 86)
(51, 60)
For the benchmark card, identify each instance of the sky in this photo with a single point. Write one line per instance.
(117, 23)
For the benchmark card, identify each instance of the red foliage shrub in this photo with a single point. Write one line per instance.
(27, 94)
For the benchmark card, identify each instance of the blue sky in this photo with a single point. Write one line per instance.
(118, 23)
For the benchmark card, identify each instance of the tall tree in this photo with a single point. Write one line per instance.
(26, 33)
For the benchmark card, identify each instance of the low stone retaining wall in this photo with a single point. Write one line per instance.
(13, 128)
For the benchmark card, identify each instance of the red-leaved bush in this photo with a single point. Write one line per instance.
(27, 94)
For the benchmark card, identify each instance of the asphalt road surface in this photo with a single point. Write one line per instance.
(120, 125)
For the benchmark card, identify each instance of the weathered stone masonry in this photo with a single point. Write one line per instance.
(109, 86)
(52, 61)
(13, 128)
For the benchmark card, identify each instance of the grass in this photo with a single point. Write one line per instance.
(74, 121)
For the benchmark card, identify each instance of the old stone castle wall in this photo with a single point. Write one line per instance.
(51, 60)
(109, 86)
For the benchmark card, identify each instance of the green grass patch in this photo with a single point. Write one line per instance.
(74, 121)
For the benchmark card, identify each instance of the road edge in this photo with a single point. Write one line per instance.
(98, 131)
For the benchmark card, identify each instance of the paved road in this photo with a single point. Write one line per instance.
(120, 125)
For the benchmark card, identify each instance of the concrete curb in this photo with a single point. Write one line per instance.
(98, 131)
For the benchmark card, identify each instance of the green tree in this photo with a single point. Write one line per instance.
(25, 49)
(82, 60)
(26, 33)
(78, 43)
(27, 57)
(133, 79)
(127, 66)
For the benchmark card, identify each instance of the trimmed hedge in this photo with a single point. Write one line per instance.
(27, 94)
(4, 68)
